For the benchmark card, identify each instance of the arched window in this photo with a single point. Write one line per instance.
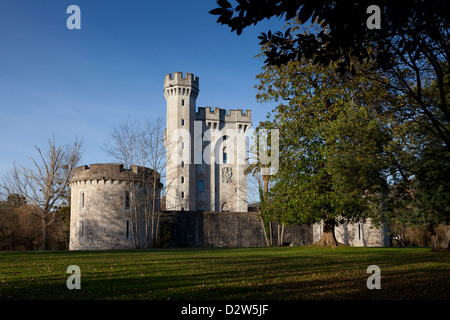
(201, 186)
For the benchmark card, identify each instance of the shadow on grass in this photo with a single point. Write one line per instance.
(223, 273)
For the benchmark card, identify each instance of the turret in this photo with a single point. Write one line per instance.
(181, 94)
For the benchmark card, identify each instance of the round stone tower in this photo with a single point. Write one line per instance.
(107, 206)
(181, 94)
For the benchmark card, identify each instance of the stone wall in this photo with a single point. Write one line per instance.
(358, 234)
(224, 229)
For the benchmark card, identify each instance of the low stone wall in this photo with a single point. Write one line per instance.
(224, 229)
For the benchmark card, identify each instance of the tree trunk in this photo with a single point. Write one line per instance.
(445, 246)
(44, 234)
(328, 238)
(267, 233)
(434, 239)
(266, 185)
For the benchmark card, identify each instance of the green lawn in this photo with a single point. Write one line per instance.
(263, 273)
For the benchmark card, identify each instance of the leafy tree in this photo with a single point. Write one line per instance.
(259, 166)
(332, 160)
(411, 44)
(407, 54)
(421, 176)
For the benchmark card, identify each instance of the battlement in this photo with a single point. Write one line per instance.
(110, 171)
(178, 80)
(217, 114)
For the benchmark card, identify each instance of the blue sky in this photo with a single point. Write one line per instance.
(84, 82)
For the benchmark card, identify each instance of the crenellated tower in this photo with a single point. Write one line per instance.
(206, 151)
(181, 94)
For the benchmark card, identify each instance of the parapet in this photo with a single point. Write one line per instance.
(178, 80)
(239, 115)
(217, 114)
(110, 171)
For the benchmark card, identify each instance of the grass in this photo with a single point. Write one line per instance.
(221, 274)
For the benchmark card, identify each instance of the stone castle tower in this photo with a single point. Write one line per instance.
(206, 150)
(107, 206)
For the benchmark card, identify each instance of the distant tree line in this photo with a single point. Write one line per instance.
(20, 230)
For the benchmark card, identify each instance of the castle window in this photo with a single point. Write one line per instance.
(127, 200)
(182, 164)
(182, 179)
(182, 195)
(82, 199)
(182, 122)
(128, 229)
(81, 234)
(182, 102)
(201, 186)
(224, 157)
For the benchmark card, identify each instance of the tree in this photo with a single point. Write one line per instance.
(408, 53)
(259, 167)
(42, 185)
(412, 44)
(420, 170)
(332, 160)
(144, 146)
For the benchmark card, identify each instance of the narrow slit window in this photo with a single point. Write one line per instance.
(182, 179)
(82, 199)
(359, 231)
(182, 102)
(127, 200)
(81, 229)
(224, 158)
(182, 195)
(201, 186)
(128, 229)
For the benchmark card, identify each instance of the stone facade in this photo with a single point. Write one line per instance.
(359, 234)
(206, 188)
(225, 229)
(206, 151)
(103, 198)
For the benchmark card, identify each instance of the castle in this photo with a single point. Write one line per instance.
(206, 151)
(206, 188)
